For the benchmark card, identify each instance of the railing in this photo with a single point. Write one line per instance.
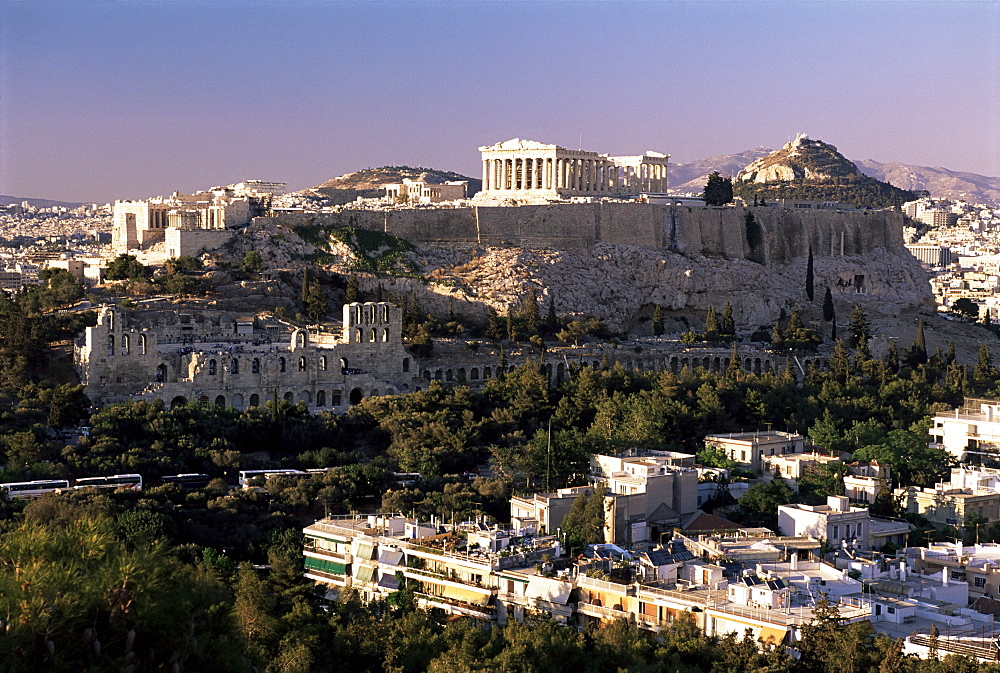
(602, 612)
(701, 597)
(479, 610)
(624, 589)
(342, 557)
(537, 603)
(980, 650)
(439, 576)
(333, 577)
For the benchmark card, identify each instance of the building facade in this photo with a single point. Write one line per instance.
(525, 169)
(750, 448)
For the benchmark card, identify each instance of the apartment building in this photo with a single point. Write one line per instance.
(750, 448)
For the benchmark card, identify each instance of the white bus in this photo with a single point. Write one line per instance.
(33, 489)
(131, 482)
(247, 475)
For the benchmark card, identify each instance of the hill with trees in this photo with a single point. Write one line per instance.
(813, 170)
(370, 182)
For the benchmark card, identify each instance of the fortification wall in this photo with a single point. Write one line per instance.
(715, 232)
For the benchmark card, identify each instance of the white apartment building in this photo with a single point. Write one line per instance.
(749, 448)
(837, 522)
(972, 430)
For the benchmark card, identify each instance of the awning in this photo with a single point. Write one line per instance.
(312, 563)
(363, 573)
(471, 597)
(390, 557)
(363, 550)
(771, 635)
(389, 581)
(552, 590)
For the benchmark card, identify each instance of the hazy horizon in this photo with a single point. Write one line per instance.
(100, 101)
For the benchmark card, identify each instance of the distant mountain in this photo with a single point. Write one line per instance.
(370, 182)
(692, 176)
(37, 203)
(940, 182)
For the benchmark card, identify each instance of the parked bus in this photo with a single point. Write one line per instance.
(247, 475)
(189, 482)
(131, 482)
(33, 489)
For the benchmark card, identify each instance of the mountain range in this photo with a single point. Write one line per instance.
(942, 183)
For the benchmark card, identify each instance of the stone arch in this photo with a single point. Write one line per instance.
(301, 338)
(356, 396)
(706, 363)
(142, 344)
(487, 373)
(343, 363)
(748, 364)
(390, 391)
(304, 396)
(460, 376)
(237, 401)
(385, 335)
(716, 364)
(220, 400)
(178, 401)
(281, 364)
(321, 398)
(302, 363)
(212, 367)
(406, 364)
(336, 398)
(372, 335)
(361, 335)
(255, 400)
(756, 366)
(437, 375)
(255, 366)
(161, 372)
(560, 371)
(322, 363)
(427, 375)
(290, 397)
(674, 365)
(126, 344)
(548, 370)
(234, 365)
(474, 374)
(768, 366)
(448, 376)
(111, 344)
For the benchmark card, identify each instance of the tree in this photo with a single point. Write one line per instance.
(828, 311)
(728, 325)
(126, 267)
(584, 523)
(718, 190)
(917, 353)
(966, 307)
(759, 504)
(353, 291)
(858, 326)
(316, 305)
(711, 324)
(252, 262)
(658, 320)
(551, 320)
(810, 291)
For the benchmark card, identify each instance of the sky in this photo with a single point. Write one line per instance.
(126, 100)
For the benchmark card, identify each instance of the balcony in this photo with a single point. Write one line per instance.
(444, 579)
(601, 612)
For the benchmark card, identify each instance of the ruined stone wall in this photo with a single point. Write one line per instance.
(715, 232)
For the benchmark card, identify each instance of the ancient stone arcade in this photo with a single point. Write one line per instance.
(247, 366)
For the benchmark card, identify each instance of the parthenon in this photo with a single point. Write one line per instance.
(526, 169)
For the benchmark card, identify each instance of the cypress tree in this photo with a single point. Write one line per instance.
(810, 292)
(352, 293)
(728, 324)
(551, 321)
(828, 311)
(711, 323)
(657, 320)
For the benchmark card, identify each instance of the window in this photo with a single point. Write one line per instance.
(836, 533)
(234, 366)
(979, 582)
(322, 363)
(302, 364)
(211, 367)
(406, 364)
(255, 366)
(281, 364)
(891, 610)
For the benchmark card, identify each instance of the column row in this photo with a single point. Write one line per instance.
(546, 173)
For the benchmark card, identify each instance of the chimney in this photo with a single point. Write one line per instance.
(958, 549)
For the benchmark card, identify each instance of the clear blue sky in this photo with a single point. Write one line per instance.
(133, 99)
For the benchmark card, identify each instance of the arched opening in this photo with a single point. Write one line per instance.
(178, 401)
(373, 393)
(361, 336)
(300, 339)
(304, 396)
(372, 335)
(302, 364)
(336, 398)
(289, 397)
(487, 372)
(111, 344)
(142, 344)
(255, 366)
(220, 401)
(385, 313)
(560, 371)
(212, 367)
(437, 375)
(756, 366)
(237, 401)
(548, 370)
(322, 363)
(385, 335)
(343, 365)
(281, 364)
(474, 374)
(234, 366)
(390, 391)
(448, 375)
(427, 375)
(255, 400)
(126, 344)
(406, 364)
(356, 396)
(161, 373)
(321, 398)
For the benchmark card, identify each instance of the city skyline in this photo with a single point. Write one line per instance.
(101, 101)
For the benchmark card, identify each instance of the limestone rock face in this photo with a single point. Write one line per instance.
(800, 159)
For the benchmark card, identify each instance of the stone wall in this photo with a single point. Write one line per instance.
(715, 232)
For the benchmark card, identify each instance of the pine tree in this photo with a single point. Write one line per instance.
(949, 356)
(733, 368)
(551, 320)
(858, 326)
(918, 351)
(305, 283)
(352, 293)
(529, 313)
(316, 306)
(810, 292)
(718, 190)
(657, 320)
(983, 371)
